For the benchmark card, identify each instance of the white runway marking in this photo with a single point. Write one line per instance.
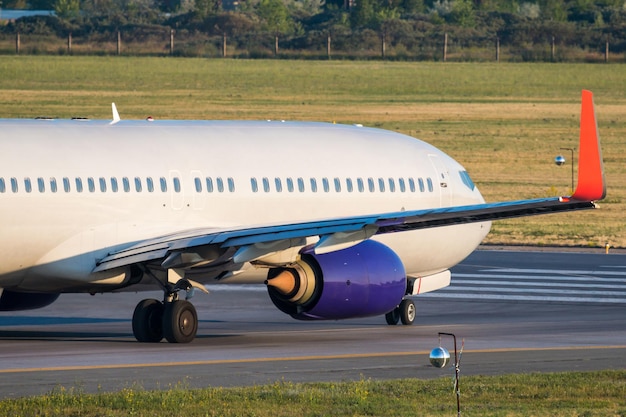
(516, 284)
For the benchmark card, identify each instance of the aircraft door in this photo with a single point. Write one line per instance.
(442, 181)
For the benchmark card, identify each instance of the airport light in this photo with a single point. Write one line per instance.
(560, 160)
(439, 358)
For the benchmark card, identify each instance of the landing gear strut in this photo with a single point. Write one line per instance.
(405, 312)
(174, 319)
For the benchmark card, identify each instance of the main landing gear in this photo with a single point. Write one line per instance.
(405, 312)
(174, 319)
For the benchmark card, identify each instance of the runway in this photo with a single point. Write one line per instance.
(517, 312)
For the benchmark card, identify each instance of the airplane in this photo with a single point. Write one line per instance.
(339, 221)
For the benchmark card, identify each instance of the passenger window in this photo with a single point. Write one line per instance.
(2, 186)
(14, 187)
(91, 184)
(279, 184)
(402, 185)
(290, 185)
(266, 185)
(420, 182)
(360, 185)
(337, 185)
(198, 184)
(53, 185)
(412, 185)
(254, 185)
(370, 184)
(209, 185)
(325, 185)
(79, 185)
(41, 185)
(27, 186)
(301, 185)
(313, 185)
(220, 184)
(176, 184)
(381, 185)
(66, 185)
(349, 184)
(430, 184)
(163, 182)
(150, 184)
(231, 184)
(138, 184)
(392, 185)
(114, 187)
(103, 184)
(126, 184)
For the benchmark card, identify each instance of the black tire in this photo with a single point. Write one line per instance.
(180, 322)
(407, 312)
(393, 317)
(148, 321)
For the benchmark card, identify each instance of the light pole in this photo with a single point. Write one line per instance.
(439, 357)
(559, 160)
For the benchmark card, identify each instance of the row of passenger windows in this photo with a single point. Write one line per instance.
(218, 184)
(347, 184)
(90, 184)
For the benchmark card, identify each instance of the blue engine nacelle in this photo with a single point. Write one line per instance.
(364, 280)
(14, 301)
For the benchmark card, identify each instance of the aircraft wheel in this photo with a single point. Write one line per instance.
(393, 317)
(407, 312)
(147, 321)
(180, 322)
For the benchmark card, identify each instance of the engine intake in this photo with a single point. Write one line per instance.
(364, 280)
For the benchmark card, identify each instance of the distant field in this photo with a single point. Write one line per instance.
(504, 122)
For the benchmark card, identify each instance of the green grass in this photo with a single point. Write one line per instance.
(504, 122)
(551, 395)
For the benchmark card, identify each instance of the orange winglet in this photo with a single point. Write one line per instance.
(591, 185)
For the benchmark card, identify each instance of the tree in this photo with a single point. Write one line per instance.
(67, 9)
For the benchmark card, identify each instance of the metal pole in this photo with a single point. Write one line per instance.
(572, 152)
(456, 374)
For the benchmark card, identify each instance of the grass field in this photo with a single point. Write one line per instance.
(504, 122)
(601, 394)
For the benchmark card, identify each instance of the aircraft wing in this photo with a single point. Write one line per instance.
(209, 247)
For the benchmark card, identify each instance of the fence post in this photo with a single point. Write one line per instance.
(171, 41)
(223, 44)
(275, 45)
(328, 46)
(497, 49)
(383, 45)
(119, 42)
(445, 46)
(552, 50)
(17, 43)
(606, 51)
(69, 43)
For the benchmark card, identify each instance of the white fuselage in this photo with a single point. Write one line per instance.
(73, 191)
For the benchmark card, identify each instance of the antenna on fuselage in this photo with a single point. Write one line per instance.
(116, 115)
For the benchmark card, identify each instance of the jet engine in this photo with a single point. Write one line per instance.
(14, 301)
(364, 280)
